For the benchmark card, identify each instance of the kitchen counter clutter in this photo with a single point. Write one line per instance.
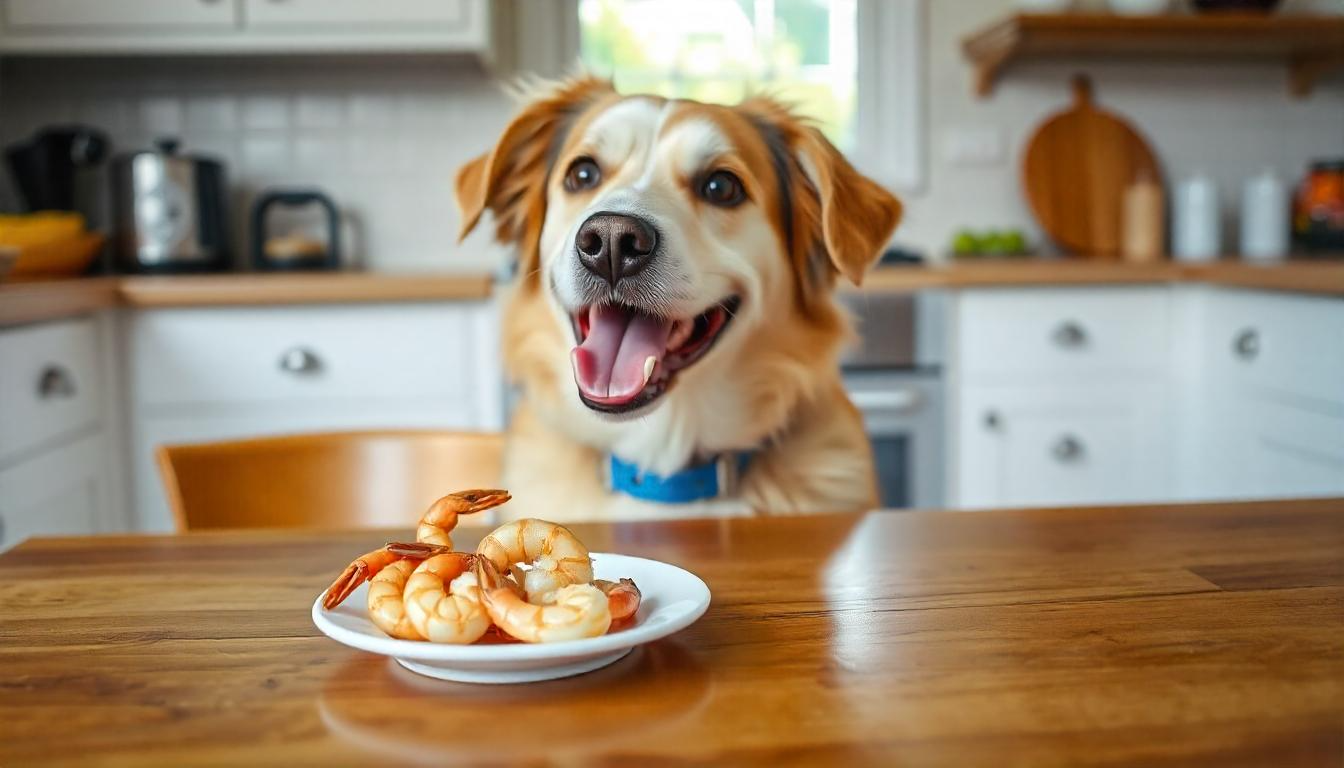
(1156, 635)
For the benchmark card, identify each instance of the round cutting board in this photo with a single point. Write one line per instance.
(1075, 171)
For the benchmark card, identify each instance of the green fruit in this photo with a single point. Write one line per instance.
(1014, 241)
(995, 242)
(965, 242)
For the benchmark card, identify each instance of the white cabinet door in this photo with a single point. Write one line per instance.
(1028, 446)
(230, 355)
(310, 13)
(49, 386)
(1045, 335)
(22, 16)
(64, 491)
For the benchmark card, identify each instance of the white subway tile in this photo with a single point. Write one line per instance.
(161, 115)
(320, 153)
(212, 113)
(266, 112)
(369, 110)
(265, 155)
(319, 111)
(108, 114)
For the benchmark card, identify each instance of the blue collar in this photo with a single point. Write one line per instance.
(712, 479)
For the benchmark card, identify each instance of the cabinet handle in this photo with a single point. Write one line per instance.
(55, 382)
(1067, 449)
(299, 361)
(992, 420)
(1247, 344)
(1069, 335)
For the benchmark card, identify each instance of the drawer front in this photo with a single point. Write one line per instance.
(1042, 334)
(1288, 344)
(62, 492)
(1023, 447)
(271, 354)
(130, 15)
(309, 13)
(49, 385)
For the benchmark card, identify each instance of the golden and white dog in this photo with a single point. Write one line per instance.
(674, 300)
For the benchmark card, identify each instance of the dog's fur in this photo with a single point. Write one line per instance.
(770, 383)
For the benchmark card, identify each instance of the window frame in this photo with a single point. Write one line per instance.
(890, 116)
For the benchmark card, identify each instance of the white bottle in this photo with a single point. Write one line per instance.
(1264, 218)
(1196, 226)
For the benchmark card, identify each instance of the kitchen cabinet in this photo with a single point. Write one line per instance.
(1274, 382)
(219, 373)
(63, 491)
(55, 469)
(1058, 395)
(85, 27)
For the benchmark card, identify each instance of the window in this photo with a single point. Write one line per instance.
(854, 66)
(801, 51)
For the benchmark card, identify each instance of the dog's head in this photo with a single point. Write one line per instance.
(668, 234)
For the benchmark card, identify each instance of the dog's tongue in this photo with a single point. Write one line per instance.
(609, 366)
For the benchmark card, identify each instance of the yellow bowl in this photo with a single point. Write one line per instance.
(58, 258)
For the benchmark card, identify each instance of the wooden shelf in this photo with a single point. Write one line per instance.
(1311, 46)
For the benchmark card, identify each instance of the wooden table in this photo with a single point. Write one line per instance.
(1170, 635)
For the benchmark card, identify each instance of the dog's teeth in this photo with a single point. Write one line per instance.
(649, 363)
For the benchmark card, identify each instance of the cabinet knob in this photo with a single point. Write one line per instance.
(992, 420)
(55, 382)
(1069, 335)
(1247, 344)
(300, 360)
(1067, 448)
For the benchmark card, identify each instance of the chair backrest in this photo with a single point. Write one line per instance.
(331, 480)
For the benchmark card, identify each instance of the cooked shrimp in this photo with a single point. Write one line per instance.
(558, 558)
(367, 565)
(441, 519)
(622, 597)
(578, 610)
(387, 610)
(443, 602)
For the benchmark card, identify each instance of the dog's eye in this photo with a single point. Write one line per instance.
(723, 189)
(583, 173)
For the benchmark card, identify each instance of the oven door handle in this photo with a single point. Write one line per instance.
(887, 401)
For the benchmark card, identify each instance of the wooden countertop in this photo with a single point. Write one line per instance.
(1315, 277)
(27, 302)
(1172, 635)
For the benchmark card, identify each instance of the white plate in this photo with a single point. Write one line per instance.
(673, 599)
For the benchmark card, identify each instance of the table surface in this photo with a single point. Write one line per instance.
(1205, 634)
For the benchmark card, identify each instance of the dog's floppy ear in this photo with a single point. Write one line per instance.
(857, 215)
(510, 180)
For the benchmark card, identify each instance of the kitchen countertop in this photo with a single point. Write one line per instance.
(27, 302)
(1165, 634)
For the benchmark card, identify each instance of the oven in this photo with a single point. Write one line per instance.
(894, 378)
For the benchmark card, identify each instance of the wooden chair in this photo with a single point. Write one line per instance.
(331, 480)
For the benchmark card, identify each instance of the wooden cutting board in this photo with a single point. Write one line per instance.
(1075, 171)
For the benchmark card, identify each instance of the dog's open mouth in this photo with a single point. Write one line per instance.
(627, 358)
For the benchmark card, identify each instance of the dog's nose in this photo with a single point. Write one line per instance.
(613, 246)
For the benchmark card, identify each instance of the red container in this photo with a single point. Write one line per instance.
(1318, 209)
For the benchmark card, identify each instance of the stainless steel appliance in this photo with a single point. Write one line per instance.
(169, 210)
(894, 378)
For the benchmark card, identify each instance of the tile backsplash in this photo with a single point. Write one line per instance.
(383, 136)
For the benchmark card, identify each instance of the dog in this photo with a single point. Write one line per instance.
(673, 327)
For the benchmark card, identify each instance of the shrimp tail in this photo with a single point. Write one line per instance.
(354, 574)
